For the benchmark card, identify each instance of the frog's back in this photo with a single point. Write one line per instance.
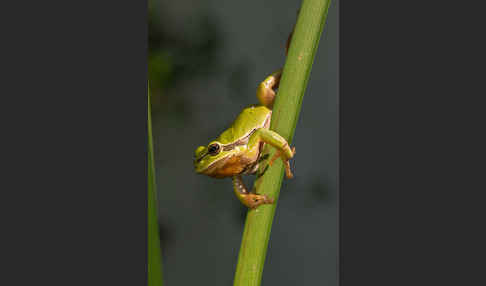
(253, 116)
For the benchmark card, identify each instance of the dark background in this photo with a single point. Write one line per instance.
(411, 146)
(206, 59)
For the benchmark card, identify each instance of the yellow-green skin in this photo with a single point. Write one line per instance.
(238, 153)
(239, 147)
(249, 119)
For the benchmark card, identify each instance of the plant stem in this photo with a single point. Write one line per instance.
(154, 252)
(298, 65)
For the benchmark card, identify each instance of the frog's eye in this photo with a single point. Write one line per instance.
(214, 149)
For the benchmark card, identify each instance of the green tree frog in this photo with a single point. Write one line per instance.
(238, 150)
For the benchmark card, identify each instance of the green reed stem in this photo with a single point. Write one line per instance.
(298, 65)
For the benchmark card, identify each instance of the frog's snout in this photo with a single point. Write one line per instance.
(199, 152)
(198, 167)
(198, 156)
(196, 163)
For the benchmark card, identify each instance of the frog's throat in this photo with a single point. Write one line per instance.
(210, 169)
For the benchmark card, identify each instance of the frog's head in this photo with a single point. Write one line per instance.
(208, 158)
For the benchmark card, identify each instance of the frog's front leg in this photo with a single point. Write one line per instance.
(250, 200)
(265, 90)
(274, 139)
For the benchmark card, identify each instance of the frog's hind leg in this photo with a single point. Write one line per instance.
(247, 198)
(266, 89)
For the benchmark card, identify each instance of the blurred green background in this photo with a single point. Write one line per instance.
(206, 59)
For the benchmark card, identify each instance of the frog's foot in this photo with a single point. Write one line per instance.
(288, 171)
(252, 200)
(266, 89)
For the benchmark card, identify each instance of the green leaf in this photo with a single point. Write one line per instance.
(154, 251)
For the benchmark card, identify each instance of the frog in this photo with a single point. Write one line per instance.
(238, 149)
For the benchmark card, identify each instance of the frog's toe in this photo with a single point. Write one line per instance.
(288, 171)
(254, 200)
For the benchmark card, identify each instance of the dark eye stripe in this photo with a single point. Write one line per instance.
(199, 160)
(242, 141)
